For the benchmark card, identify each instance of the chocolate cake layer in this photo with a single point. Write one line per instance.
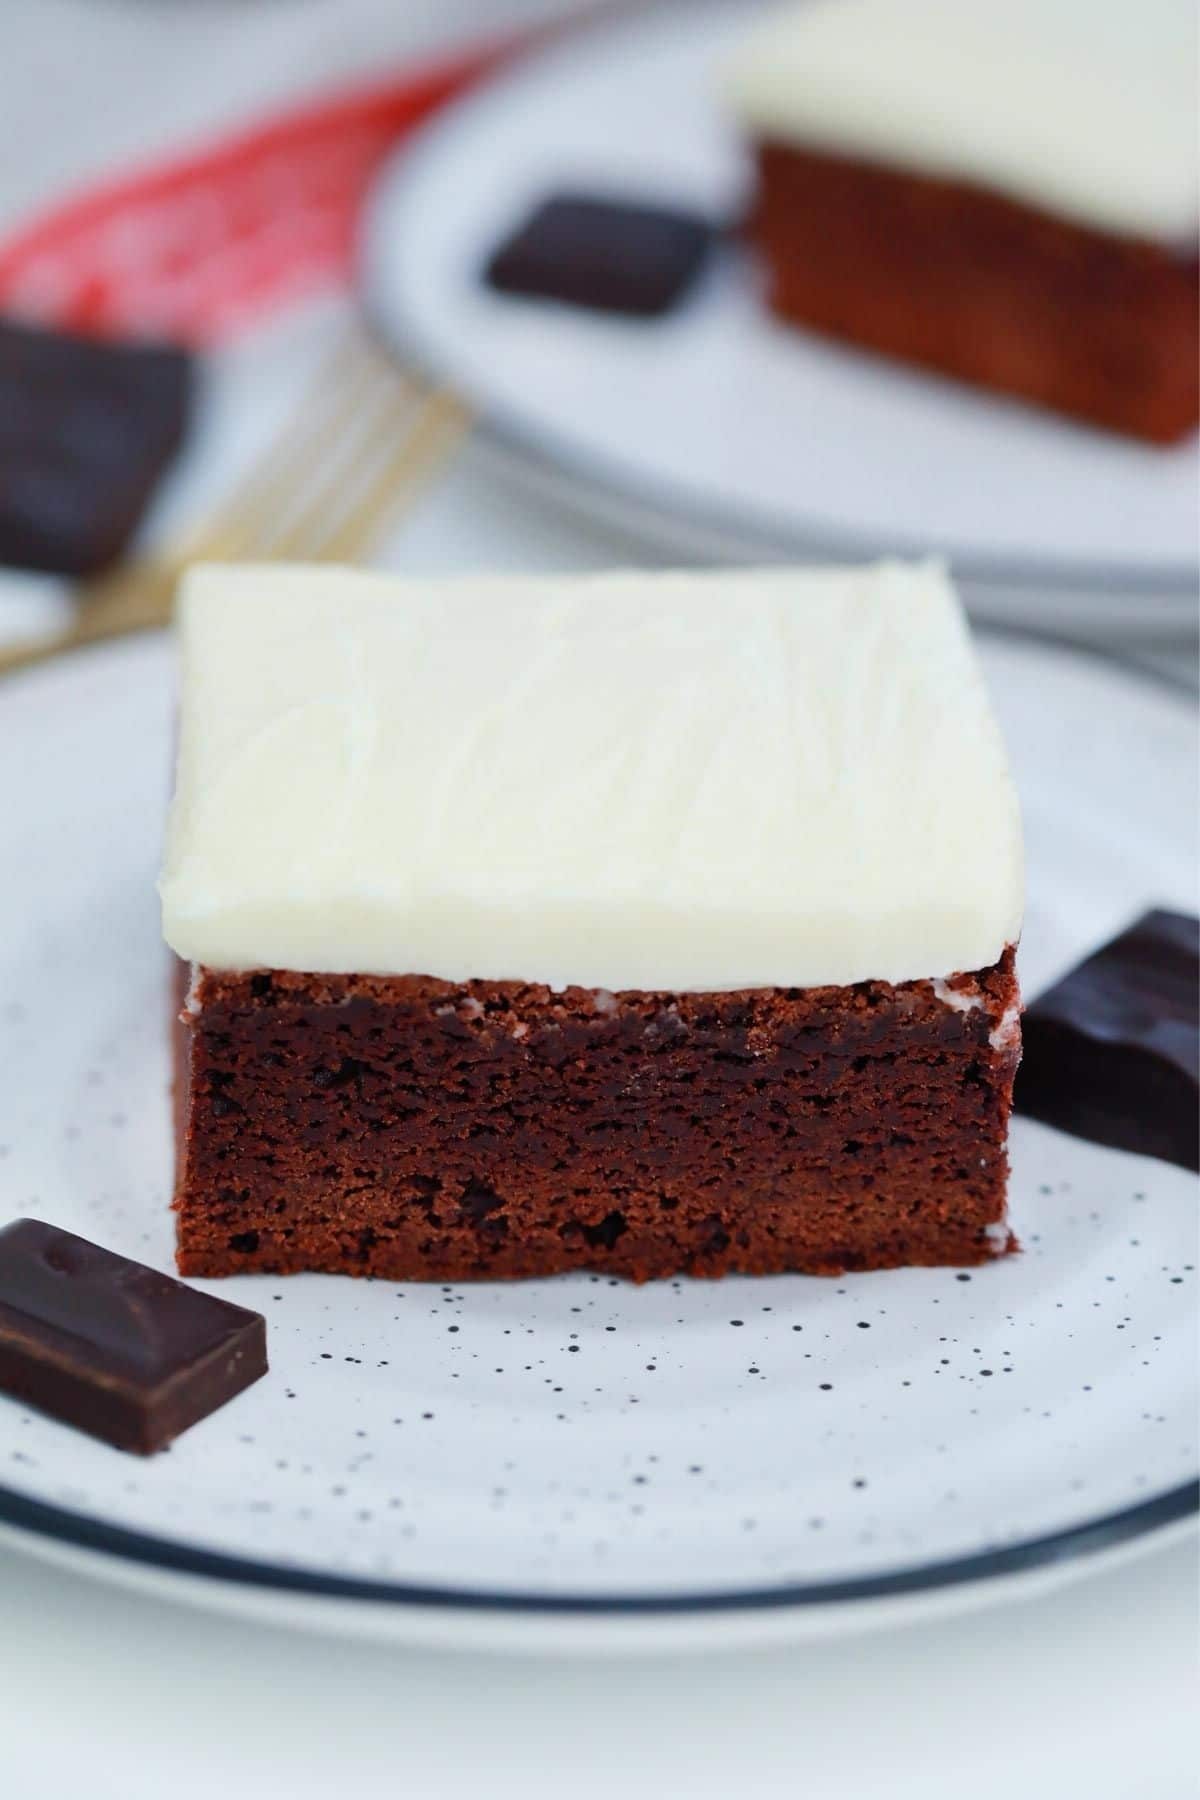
(983, 287)
(412, 1128)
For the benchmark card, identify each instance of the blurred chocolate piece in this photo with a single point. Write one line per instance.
(86, 429)
(604, 255)
(112, 1347)
(1112, 1051)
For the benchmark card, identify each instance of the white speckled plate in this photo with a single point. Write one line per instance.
(577, 1459)
(717, 432)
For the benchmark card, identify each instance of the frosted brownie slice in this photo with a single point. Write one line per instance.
(1006, 192)
(643, 922)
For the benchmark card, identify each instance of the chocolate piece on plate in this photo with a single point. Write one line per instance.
(603, 254)
(86, 430)
(1112, 1052)
(113, 1347)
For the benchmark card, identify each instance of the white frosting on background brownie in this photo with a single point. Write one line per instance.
(1085, 108)
(684, 781)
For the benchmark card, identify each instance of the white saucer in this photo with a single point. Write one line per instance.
(576, 1461)
(717, 432)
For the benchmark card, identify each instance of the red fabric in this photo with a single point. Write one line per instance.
(196, 248)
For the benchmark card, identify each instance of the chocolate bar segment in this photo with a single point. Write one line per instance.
(1101, 329)
(1112, 1051)
(603, 255)
(86, 430)
(113, 1347)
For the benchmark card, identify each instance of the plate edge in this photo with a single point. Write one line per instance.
(1088, 1538)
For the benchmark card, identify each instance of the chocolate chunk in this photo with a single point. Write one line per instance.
(86, 429)
(113, 1347)
(603, 254)
(1112, 1051)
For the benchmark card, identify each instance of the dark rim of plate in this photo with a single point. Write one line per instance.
(1089, 1538)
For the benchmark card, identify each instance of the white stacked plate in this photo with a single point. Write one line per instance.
(718, 432)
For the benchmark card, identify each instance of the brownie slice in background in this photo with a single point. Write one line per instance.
(113, 1347)
(1032, 232)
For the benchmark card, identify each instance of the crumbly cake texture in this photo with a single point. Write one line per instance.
(411, 1128)
(1112, 1050)
(1008, 195)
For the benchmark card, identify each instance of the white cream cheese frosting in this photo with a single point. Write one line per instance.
(779, 778)
(1082, 108)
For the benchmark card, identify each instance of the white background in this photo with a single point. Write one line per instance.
(1087, 1695)
(1089, 1691)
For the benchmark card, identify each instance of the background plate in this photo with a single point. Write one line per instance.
(718, 432)
(578, 1446)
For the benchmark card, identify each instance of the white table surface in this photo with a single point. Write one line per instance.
(1090, 1691)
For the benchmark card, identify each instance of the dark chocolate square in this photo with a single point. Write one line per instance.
(1112, 1051)
(605, 255)
(113, 1347)
(86, 429)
